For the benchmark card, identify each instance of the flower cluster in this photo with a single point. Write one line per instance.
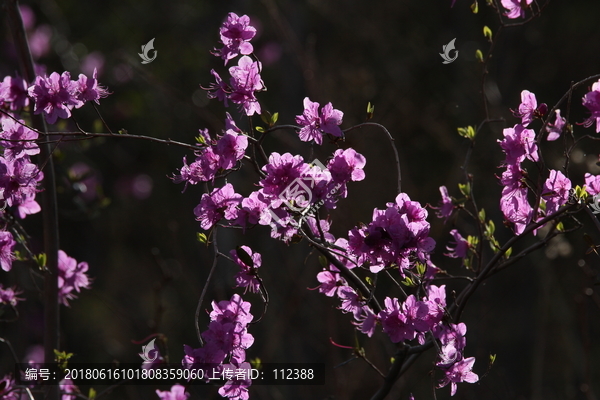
(225, 344)
(245, 79)
(214, 155)
(56, 95)
(591, 101)
(398, 235)
(290, 187)
(71, 277)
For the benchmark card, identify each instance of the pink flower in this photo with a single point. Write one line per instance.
(591, 101)
(221, 203)
(88, 89)
(592, 183)
(518, 144)
(246, 277)
(516, 8)
(14, 92)
(236, 33)
(459, 372)
(528, 109)
(556, 191)
(7, 243)
(19, 139)
(461, 246)
(446, 208)
(9, 296)
(231, 148)
(55, 96)
(71, 277)
(177, 392)
(245, 81)
(314, 122)
(555, 129)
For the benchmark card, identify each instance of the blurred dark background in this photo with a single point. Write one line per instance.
(121, 213)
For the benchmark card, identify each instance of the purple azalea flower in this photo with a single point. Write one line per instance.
(221, 203)
(556, 191)
(367, 321)
(516, 8)
(446, 208)
(591, 101)
(281, 171)
(18, 139)
(592, 183)
(18, 180)
(555, 130)
(234, 388)
(235, 310)
(88, 89)
(231, 148)
(253, 210)
(331, 282)
(459, 372)
(246, 277)
(245, 81)
(417, 314)
(397, 235)
(219, 90)
(324, 225)
(518, 144)
(394, 322)
(177, 392)
(345, 166)
(55, 96)
(13, 91)
(461, 246)
(71, 277)
(7, 243)
(236, 33)
(314, 122)
(66, 387)
(8, 296)
(528, 109)
(351, 301)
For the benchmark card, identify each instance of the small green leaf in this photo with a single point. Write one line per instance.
(265, 116)
(465, 189)
(560, 227)
(323, 261)
(408, 282)
(467, 132)
(369, 280)
(62, 358)
(490, 228)
(508, 252)
(487, 32)
(244, 257)
(421, 268)
(274, 119)
(482, 215)
(370, 110)
(260, 129)
(479, 55)
(492, 359)
(201, 237)
(475, 7)
(91, 394)
(256, 363)
(123, 132)
(41, 259)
